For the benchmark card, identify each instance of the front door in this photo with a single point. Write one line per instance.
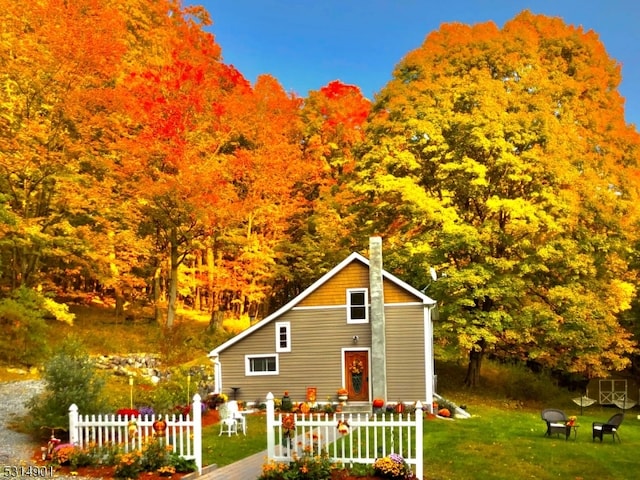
(357, 374)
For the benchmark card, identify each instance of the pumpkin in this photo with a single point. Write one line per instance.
(444, 412)
(378, 403)
(159, 426)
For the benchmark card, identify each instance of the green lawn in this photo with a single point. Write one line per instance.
(506, 445)
(495, 443)
(223, 450)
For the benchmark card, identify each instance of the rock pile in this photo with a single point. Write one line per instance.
(135, 364)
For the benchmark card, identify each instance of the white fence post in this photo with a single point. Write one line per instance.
(419, 440)
(271, 434)
(73, 424)
(196, 412)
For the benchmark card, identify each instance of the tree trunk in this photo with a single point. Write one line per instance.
(210, 275)
(119, 302)
(217, 317)
(197, 303)
(173, 278)
(472, 379)
(156, 296)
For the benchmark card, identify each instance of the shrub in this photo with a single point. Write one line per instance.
(70, 377)
(181, 464)
(129, 465)
(23, 330)
(155, 454)
(81, 457)
(171, 392)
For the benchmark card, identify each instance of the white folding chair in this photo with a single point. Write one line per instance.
(228, 422)
(234, 412)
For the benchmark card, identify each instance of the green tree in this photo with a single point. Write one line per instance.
(70, 378)
(501, 157)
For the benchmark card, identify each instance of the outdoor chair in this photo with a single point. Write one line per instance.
(611, 427)
(231, 418)
(556, 421)
(228, 423)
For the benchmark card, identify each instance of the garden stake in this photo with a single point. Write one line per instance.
(131, 392)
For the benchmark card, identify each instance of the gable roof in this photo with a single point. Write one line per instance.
(312, 288)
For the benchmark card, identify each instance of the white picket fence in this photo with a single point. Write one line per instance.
(183, 433)
(369, 436)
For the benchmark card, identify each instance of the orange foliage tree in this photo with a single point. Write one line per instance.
(333, 128)
(168, 159)
(58, 61)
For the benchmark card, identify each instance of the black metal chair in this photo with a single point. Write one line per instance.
(611, 427)
(556, 422)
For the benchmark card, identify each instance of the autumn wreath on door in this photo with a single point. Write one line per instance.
(356, 369)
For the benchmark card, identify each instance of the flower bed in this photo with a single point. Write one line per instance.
(156, 459)
(319, 467)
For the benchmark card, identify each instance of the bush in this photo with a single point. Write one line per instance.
(181, 464)
(155, 454)
(129, 465)
(70, 377)
(23, 330)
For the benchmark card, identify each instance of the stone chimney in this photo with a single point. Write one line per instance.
(378, 374)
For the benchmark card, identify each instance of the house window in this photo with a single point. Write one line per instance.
(261, 364)
(357, 305)
(283, 337)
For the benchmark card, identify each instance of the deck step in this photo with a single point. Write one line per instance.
(357, 407)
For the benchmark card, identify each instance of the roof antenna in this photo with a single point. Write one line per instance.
(434, 278)
(434, 275)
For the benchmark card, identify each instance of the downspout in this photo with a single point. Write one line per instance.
(429, 368)
(378, 339)
(217, 373)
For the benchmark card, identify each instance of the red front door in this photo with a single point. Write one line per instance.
(357, 374)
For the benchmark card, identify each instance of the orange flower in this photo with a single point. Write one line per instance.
(288, 422)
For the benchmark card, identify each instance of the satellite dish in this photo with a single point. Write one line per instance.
(434, 275)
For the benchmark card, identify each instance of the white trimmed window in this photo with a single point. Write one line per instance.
(283, 336)
(357, 305)
(261, 365)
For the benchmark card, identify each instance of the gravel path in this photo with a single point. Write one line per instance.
(16, 449)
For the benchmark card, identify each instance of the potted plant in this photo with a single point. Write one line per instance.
(343, 394)
(377, 404)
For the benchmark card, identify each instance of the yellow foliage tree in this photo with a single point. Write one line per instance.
(501, 157)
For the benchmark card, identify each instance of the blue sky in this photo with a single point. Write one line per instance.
(307, 43)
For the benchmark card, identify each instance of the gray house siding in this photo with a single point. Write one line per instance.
(405, 352)
(317, 338)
